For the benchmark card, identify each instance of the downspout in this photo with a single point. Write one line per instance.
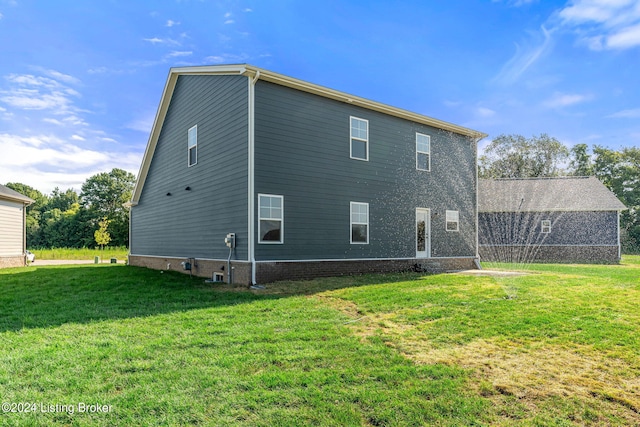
(251, 176)
(477, 259)
(619, 244)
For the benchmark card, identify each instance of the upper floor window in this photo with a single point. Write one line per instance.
(546, 225)
(423, 152)
(193, 146)
(359, 139)
(270, 218)
(359, 222)
(453, 220)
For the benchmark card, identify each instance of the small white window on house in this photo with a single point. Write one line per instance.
(359, 139)
(423, 152)
(271, 218)
(193, 146)
(546, 226)
(359, 223)
(453, 220)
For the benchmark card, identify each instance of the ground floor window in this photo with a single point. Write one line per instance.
(271, 218)
(359, 223)
(453, 220)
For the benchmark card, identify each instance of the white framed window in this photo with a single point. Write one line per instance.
(359, 223)
(270, 218)
(359, 138)
(453, 220)
(192, 144)
(545, 226)
(423, 152)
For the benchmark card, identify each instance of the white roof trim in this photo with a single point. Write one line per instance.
(269, 76)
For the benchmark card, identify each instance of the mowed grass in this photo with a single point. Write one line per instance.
(105, 254)
(558, 346)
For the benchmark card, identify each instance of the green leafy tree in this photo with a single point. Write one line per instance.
(101, 235)
(514, 156)
(581, 164)
(104, 195)
(620, 172)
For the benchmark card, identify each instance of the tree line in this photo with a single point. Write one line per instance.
(514, 156)
(66, 219)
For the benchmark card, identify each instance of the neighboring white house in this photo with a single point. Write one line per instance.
(12, 227)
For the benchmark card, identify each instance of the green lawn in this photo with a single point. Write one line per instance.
(105, 254)
(559, 346)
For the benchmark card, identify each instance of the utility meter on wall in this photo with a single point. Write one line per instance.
(230, 240)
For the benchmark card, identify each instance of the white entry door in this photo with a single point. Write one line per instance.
(423, 233)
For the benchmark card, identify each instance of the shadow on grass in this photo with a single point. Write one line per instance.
(40, 297)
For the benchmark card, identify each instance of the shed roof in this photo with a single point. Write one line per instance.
(255, 74)
(9, 194)
(546, 194)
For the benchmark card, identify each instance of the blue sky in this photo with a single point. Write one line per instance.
(80, 81)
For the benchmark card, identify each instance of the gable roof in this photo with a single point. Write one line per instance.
(546, 194)
(255, 74)
(9, 194)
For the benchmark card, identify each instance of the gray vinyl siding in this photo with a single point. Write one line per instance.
(194, 223)
(11, 228)
(302, 152)
(567, 228)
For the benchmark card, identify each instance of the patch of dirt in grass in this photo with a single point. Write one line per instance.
(530, 372)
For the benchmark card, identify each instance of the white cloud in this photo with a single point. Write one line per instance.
(604, 24)
(225, 58)
(179, 53)
(30, 92)
(626, 114)
(158, 40)
(1, 16)
(47, 161)
(485, 112)
(248, 10)
(525, 58)
(171, 23)
(229, 21)
(560, 100)
(77, 138)
(227, 15)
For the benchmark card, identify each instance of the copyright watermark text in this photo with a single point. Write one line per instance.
(43, 408)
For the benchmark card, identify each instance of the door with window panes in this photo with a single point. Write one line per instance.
(423, 233)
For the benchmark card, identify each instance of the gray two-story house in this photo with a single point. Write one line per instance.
(311, 182)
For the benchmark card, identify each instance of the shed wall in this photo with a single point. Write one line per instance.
(11, 228)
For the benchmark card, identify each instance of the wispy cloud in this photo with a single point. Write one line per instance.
(45, 161)
(525, 57)
(633, 113)
(30, 92)
(225, 58)
(158, 40)
(604, 24)
(171, 23)
(560, 100)
(176, 54)
(485, 112)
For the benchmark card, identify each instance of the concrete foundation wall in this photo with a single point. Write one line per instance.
(550, 254)
(12, 261)
(267, 272)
